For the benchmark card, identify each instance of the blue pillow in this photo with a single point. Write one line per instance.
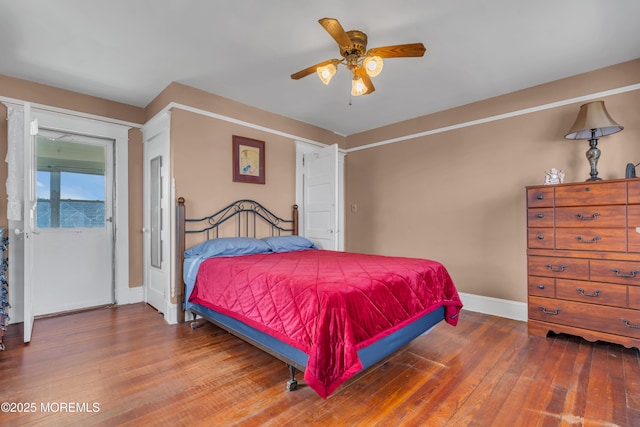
(228, 246)
(289, 243)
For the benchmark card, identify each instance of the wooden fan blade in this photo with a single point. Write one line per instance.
(304, 73)
(366, 79)
(336, 31)
(398, 51)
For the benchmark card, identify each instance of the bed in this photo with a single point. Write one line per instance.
(330, 314)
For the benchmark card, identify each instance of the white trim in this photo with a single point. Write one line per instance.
(67, 112)
(497, 117)
(136, 295)
(171, 315)
(494, 306)
(206, 113)
(121, 215)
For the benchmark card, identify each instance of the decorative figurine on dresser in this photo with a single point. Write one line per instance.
(583, 260)
(4, 291)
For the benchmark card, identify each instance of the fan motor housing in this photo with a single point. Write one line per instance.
(358, 44)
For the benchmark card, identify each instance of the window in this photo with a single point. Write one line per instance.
(70, 183)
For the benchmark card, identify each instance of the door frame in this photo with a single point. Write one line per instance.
(303, 148)
(120, 135)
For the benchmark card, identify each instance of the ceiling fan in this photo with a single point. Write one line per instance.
(362, 63)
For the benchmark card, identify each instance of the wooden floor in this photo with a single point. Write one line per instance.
(126, 366)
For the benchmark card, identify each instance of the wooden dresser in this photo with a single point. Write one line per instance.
(583, 260)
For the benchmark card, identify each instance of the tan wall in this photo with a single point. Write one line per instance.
(459, 197)
(136, 223)
(201, 151)
(46, 95)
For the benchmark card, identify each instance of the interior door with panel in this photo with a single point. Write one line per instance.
(157, 228)
(320, 197)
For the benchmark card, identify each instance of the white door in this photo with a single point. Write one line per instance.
(45, 259)
(157, 227)
(320, 197)
(19, 191)
(72, 235)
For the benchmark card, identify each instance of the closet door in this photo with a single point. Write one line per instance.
(320, 195)
(157, 222)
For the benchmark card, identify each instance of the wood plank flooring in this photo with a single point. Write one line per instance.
(126, 366)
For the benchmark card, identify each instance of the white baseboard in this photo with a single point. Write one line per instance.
(171, 315)
(494, 306)
(136, 294)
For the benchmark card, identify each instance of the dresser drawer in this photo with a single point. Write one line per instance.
(633, 189)
(594, 239)
(633, 215)
(634, 297)
(619, 321)
(592, 216)
(592, 292)
(633, 221)
(540, 197)
(540, 217)
(540, 238)
(602, 193)
(568, 268)
(542, 286)
(625, 272)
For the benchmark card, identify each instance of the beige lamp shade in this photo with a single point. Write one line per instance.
(593, 116)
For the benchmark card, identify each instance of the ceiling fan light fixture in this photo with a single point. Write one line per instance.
(357, 86)
(363, 63)
(373, 65)
(326, 73)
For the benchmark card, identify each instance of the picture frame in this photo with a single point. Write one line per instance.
(248, 160)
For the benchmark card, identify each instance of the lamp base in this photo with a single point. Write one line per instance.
(593, 154)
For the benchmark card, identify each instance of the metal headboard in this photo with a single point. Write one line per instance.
(247, 215)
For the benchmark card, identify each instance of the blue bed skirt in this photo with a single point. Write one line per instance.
(369, 355)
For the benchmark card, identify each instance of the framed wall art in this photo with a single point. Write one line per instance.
(248, 160)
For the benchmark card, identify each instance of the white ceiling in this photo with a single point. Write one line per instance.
(245, 50)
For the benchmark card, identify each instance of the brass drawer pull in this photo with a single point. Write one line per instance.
(588, 218)
(556, 269)
(629, 325)
(632, 274)
(594, 240)
(555, 312)
(595, 294)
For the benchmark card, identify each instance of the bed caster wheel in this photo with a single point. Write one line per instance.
(195, 325)
(292, 385)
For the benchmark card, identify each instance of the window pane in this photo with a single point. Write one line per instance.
(70, 184)
(155, 182)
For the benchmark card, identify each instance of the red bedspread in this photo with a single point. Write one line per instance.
(327, 304)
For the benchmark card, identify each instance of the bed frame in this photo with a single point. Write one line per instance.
(247, 214)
